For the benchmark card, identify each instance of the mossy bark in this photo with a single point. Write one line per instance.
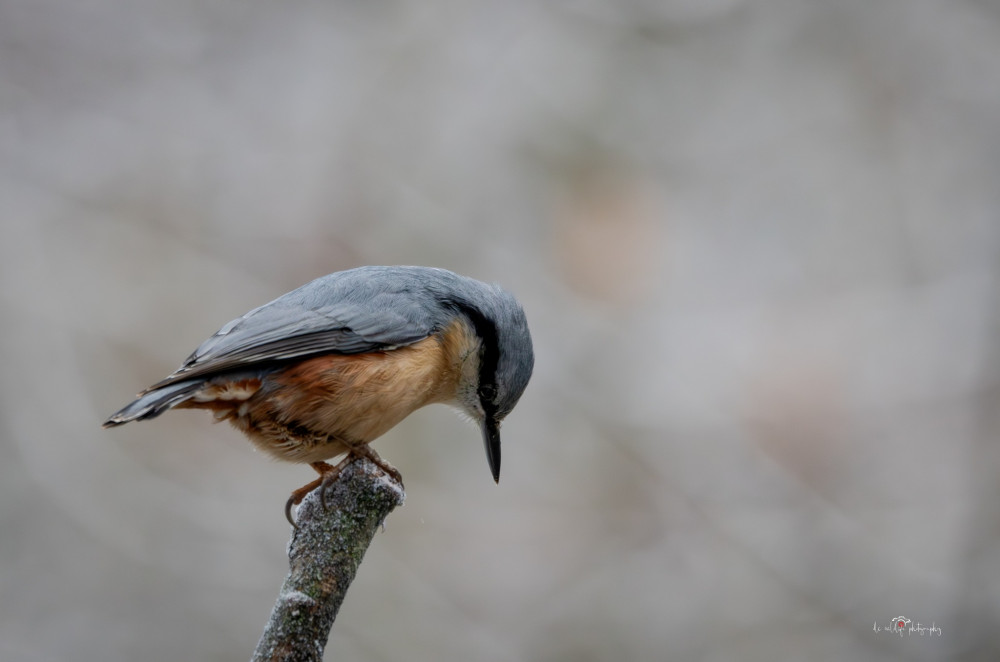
(324, 554)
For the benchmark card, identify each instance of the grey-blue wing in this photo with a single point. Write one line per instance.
(349, 312)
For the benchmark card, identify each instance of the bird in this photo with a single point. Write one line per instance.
(327, 368)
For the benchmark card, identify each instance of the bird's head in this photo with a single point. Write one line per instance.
(500, 363)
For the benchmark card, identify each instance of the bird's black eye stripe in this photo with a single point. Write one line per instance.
(487, 392)
(489, 355)
(487, 395)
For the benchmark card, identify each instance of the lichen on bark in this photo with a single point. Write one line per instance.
(324, 554)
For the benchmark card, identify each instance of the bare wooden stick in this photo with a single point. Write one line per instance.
(324, 554)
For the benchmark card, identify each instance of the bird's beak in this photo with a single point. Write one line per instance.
(491, 439)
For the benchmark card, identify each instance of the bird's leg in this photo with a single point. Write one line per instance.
(366, 451)
(327, 474)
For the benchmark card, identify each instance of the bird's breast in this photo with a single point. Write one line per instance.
(355, 398)
(304, 411)
(360, 396)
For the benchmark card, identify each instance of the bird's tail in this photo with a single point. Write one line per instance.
(154, 403)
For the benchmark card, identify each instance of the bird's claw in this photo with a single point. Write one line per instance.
(329, 475)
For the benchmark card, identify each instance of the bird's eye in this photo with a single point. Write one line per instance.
(487, 392)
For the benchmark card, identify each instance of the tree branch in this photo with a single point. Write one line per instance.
(324, 554)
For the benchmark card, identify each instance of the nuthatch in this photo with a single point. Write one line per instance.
(328, 368)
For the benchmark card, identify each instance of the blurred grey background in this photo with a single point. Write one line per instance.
(758, 247)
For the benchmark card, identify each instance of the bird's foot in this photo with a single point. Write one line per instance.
(329, 473)
(366, 451)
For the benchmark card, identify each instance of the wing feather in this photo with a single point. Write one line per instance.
(349, 312)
